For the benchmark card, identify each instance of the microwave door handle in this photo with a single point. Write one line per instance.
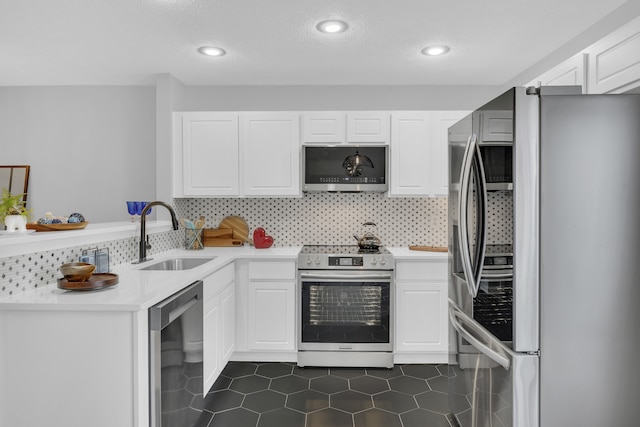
(482, 223)
(463, 230)
(483, 342)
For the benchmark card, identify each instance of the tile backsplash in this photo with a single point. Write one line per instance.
(331, 218)
(24, 272)
(316, 218)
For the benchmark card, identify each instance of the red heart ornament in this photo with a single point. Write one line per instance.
(261, 240)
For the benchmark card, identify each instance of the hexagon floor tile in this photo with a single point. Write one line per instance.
(284, 395)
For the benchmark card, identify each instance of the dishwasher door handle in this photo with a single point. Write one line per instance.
(166, 311)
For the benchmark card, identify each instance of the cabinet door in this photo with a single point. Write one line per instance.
(569, 73)
(212, 352)
(270, 154)
(497, 126)
(368, 126)
(614, 62)
(228, 314)
(323, 127)
(210, 146)
(271, 317)
(421, 317)
(439, 160)
(410, 154)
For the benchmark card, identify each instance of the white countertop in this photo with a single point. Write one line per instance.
(404, 252)
(139, 290)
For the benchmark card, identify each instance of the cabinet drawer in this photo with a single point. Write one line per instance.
(272, 270)
(421, 270)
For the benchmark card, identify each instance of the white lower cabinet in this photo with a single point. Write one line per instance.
(272, 306)
(218, 323)
(421, 328)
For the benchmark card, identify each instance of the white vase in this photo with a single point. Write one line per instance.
(15, 223)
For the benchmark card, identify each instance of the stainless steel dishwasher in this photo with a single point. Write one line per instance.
(175, 358)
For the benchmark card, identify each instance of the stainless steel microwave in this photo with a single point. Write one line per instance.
(345, 168)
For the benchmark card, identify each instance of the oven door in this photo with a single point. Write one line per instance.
(345, 311)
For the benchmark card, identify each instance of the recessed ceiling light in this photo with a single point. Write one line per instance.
(212, 51)
(435, 50)
(332, 26)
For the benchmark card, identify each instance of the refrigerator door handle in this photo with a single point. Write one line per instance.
(482, 225)
(472, 273)
(478, 337)
(463, 230)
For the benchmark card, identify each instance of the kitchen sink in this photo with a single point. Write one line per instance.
(175, 264)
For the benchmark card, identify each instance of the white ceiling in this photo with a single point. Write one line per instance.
(129, 42)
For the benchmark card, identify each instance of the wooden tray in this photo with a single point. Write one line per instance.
(96, 281)
(429, 248)
(57, 227)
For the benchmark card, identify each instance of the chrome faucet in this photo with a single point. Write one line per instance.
(144, 239)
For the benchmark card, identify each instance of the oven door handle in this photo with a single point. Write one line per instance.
(358, 277)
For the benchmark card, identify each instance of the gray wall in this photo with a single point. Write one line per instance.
(90, 148)
(261, 98)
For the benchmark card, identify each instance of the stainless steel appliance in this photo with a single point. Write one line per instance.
(345, 307)
(345, 168)
(563, 349)
(175, 357)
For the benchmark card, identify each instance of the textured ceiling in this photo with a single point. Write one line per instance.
(112, 42)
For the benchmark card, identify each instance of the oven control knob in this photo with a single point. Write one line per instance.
(382, 261)
(317, 261)
(374, 261)
(308, 261)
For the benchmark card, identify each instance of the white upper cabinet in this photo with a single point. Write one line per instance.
(368, 126)
(571, 72)
(410, 153)
(270, 154)
(328, 127)
(497, 126)
(227, 154)
(207, 159)
(419, 160)
(614, 62)
(338, 127)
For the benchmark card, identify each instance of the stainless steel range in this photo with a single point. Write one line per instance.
(345, 306)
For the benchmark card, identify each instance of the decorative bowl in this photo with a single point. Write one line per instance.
(77, 271)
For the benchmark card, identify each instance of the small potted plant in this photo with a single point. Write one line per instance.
(13, 212)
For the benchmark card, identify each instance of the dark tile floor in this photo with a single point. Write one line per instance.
(284, 395)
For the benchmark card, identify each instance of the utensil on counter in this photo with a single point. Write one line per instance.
(193, 233)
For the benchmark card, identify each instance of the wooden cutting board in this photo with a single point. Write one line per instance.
(238, 225)
(222, 241)
(212, 233)
(428, 248)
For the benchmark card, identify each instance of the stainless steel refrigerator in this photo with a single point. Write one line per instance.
(545, 332)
